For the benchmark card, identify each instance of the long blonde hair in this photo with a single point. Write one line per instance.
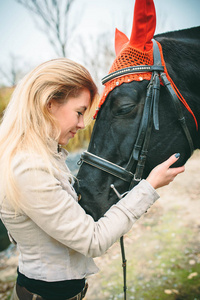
(27, 124)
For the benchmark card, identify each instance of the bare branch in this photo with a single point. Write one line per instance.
(100, 59)
(13, 72)
(53, 15)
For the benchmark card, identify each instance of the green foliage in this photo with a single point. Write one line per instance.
(5, 94)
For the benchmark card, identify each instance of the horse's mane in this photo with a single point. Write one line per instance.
(181, 54)
(189, 33)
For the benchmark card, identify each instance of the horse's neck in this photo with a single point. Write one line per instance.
(181, 54)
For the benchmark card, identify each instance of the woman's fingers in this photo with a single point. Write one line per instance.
(172, 159)
(163, 174)
(178, 170)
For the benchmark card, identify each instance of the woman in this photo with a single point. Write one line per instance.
(56, 239)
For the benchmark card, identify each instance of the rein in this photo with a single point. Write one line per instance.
(149, 119)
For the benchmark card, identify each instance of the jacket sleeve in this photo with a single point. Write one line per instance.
(56, 212)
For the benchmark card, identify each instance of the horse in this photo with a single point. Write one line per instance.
(4, 239)
(118, 121)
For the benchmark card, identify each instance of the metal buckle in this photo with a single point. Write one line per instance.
(137, 179)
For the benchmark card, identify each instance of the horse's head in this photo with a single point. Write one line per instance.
(114, 136)
(118, 125)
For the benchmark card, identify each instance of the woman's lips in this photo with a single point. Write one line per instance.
(72, 133)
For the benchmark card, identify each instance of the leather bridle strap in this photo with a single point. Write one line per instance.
(106, 166)
(144, 124)
(178, 110)
(149, 117)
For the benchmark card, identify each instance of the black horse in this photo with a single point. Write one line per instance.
(117, 124)
(4, 239)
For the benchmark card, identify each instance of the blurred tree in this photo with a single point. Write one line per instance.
(54, 17)
(98, 51)
(102, 54)
(12, 73)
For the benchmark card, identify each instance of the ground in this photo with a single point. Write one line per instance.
(162, 250)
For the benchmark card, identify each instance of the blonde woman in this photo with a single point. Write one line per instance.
(56, 239)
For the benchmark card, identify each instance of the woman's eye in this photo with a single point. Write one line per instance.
(80, 113)
(123, 110)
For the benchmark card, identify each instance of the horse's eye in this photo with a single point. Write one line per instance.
(125, 109)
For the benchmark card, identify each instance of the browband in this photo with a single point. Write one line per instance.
(132, 70)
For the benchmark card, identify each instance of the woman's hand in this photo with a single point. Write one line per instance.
(163, 174)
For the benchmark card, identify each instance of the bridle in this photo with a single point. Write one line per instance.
(149, 119)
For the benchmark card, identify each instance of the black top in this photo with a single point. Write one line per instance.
(58, 290)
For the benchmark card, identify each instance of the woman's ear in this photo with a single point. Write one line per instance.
(52, 106)
(49, 105)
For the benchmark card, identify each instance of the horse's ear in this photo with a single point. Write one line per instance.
(120, 40)
(144, 25)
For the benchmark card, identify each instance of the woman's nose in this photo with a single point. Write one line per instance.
(81, 123)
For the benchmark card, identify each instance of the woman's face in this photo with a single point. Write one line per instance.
(70, 115)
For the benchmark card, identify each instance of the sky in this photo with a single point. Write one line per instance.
(19, 35)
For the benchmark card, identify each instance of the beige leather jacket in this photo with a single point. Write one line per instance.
(56, 239)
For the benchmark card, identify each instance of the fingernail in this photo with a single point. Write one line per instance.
(177, 155)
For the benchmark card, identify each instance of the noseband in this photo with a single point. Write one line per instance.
(149, 118)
